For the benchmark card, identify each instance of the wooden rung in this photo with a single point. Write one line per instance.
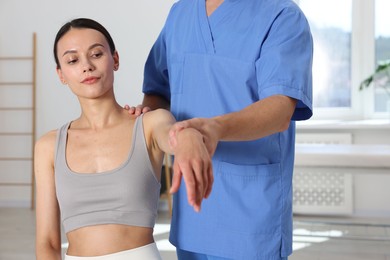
(15, 108)
(15, 83)
(6, 133)
(16, 58)
(15, 159)
(14, 184)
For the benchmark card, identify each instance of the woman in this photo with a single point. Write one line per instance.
(99, 174)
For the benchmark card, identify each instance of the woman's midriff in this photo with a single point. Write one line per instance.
(107, 239)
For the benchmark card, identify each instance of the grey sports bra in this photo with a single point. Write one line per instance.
(127, 195)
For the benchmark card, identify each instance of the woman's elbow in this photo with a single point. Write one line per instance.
(47, 251)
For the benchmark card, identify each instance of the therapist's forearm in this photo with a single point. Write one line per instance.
(263, 118)
(155, 101)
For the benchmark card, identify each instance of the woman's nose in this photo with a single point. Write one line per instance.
(88, 66)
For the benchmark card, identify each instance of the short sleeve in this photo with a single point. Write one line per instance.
(285, 63)
(156, 80)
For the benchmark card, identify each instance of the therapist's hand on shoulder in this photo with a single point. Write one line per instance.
(193, 164)
(138, 110)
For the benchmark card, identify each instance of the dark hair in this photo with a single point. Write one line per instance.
(81, 23)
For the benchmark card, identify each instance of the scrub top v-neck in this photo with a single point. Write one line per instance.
(209, 24)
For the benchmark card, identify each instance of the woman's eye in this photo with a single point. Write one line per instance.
(72, 61)
(97, 55)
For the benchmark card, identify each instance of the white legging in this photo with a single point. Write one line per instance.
(148, 252)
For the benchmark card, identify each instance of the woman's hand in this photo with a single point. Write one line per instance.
(193, 163)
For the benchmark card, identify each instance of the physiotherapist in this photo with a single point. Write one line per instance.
(240, 71)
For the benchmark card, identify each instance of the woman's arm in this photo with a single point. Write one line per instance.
(48, 233)
(192, 161)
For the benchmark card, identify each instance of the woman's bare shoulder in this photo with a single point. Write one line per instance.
(158, 116)
(47, 141)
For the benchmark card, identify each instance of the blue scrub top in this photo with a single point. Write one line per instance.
(247, 50)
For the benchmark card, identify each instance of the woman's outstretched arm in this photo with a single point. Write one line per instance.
(48, 233)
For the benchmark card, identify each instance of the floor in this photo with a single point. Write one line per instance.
(315, 238)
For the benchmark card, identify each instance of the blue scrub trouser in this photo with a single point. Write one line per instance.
(187, 255)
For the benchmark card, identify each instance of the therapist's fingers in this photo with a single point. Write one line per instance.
(173, 133)
(131, 110)
(138, 110)
(145, 109)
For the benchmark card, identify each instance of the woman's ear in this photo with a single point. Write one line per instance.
(116, 60)
(61, 77)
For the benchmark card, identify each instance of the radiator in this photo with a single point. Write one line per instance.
(323, 190)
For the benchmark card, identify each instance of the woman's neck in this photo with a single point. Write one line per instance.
(98, 114)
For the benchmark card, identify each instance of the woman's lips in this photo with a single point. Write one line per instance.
(90, 80)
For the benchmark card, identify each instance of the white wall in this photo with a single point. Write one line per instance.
(134, 25)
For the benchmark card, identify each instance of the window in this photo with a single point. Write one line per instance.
(331, 28)
(382, 50)
(350, 38)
